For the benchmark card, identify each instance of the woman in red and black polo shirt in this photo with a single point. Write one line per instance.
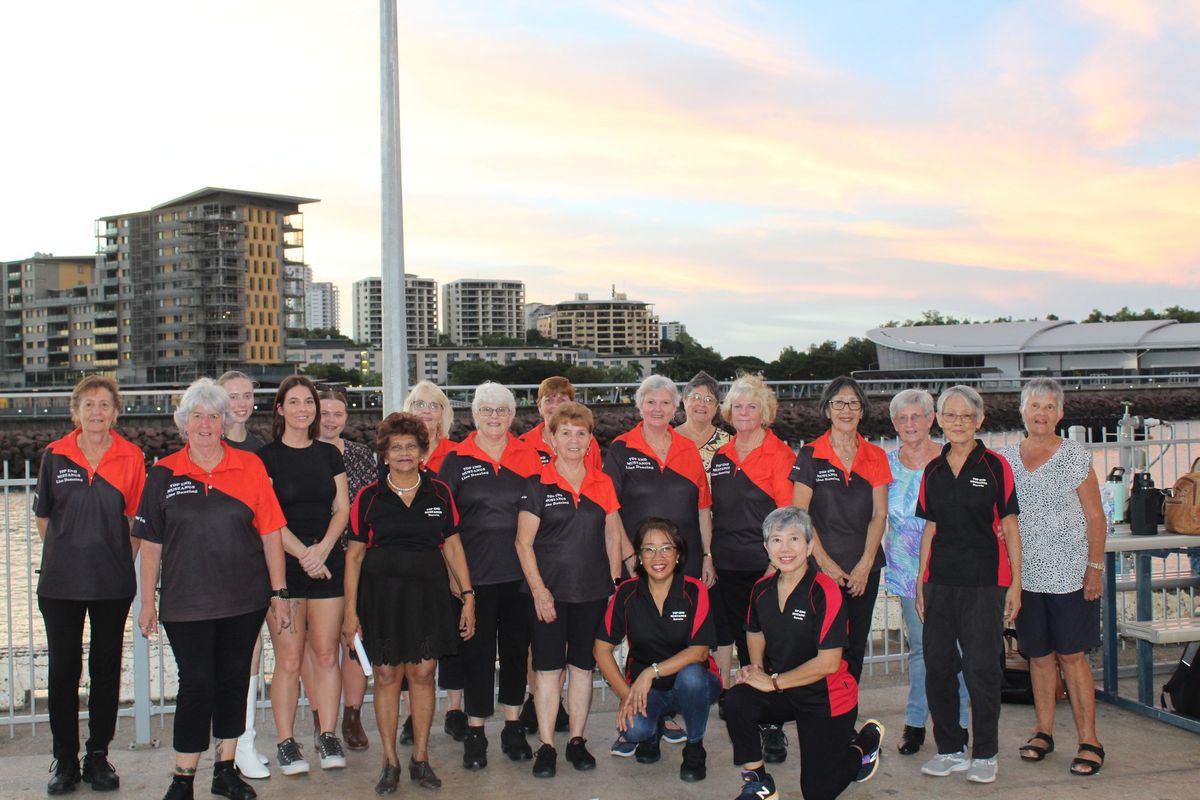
(796, 634)
(88, 489)
(429, 403)
(487, 474)
(210, 519)
(552, 393)
(398, 592)
(665, 616)
(842, 480)
(569, 539)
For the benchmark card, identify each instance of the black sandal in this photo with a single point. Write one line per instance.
(1035, 752)
(1085, 767)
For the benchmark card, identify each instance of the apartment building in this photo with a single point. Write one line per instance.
(611, 326)
(321, 309)
(421, 312)
(475, 308)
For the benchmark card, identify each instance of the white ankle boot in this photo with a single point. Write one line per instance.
(250, 762)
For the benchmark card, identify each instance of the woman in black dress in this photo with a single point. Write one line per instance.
(309, 477)
(405, 532)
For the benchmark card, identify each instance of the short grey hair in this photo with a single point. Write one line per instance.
(703, 380)
(203, 393)
(492, 393)
(1042, 386)
(911, 397)
(657, 383)
(966, 393)
(427, 389)
(788, 517)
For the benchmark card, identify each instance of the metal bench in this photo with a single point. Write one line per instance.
(1161, 631)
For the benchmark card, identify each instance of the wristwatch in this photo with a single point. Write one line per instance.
(654, 667)
(282, 594)
(775, 681)
(1096, 565)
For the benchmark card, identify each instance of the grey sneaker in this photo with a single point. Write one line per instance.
(291, 760)
(983, 770)
(943, 764)
(330, 751)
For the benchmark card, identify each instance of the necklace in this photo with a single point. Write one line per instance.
(401, 490)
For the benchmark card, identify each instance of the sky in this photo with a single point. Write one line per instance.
(771, 174)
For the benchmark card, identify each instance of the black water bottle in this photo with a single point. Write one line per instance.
(1145, 506)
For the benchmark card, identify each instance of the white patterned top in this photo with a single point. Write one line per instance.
(1054, 542)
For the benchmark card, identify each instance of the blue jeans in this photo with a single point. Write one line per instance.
(917, 710)
(694, 692)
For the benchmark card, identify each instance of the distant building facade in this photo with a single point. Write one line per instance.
(323, 312)
(473, 308)
(672, 330)
(429, 363)
(366, 309)
(421, 301)
(611, 326)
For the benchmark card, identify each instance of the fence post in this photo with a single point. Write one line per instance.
(141, 672)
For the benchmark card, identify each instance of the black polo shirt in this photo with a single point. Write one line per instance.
(571, 555)
(87, 555)
(653, 637)
(743, 493)
(210, 526)
(968, 548)
(533, 438)
(842, 500)
(488, 494)
(812, 619)
(434, 461)
(378, 518)
(675, 489)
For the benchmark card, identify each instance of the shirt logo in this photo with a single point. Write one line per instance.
(557, 499)
(721, 468)
(678, 616)
(827, 475)
(474, 471)
(640, 462)
(433, 511)
(68, 475)
(799, 614)
(177, 488)
(979, 482)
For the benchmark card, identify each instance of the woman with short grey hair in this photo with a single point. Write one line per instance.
(788, 517)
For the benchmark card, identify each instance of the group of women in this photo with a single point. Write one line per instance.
(442, 558)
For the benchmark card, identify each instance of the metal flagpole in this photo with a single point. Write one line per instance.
(395, 336)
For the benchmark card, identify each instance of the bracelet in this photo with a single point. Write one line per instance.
(467, 593)
(775, 681)
(708, 555)
(1096, 565)
(654, 667)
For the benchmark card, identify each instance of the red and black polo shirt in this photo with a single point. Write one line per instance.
(378, 518)
(743, 493)
(571, 555)
(654, 637)
(434, 462)
(87, 555)
(842, 503)
(210, 526)
(968, 548)
(533, 438)
(488, 494)
(813, 619)
(675, 489)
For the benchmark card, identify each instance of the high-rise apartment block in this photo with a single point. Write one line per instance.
(607, 327)
(476, 308)
(322, 306)
(420, 299)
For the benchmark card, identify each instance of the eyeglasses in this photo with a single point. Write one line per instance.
(839, 405)
(954, 419)
(421, 405)
(907, 419)
(488, 411)
(411, 447)
(651, 552)
(700, 397)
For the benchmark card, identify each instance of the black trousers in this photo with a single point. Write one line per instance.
(734, 590)
(450, 675)
(213, 657)
(859, 611)
(64, 638)
(501, 624)
(970, 618)
(829, 761)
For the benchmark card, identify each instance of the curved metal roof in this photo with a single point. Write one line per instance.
(1039, 336)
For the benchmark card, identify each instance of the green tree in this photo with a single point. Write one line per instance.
(530, 371)
(582, 373)
(748, 364)
(473, 373)
(328, 373)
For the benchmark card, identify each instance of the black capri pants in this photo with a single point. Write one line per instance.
(213, 657)
(501, 624)
(570, 639)
(733, 594)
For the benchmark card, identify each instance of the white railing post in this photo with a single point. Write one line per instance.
(141, 671)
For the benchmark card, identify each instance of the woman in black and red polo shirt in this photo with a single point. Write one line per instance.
(428, 403)
(88, 489)
(569, 538)
(796, 634)
(398, 591)
(552, 393)
(842, 480)
(487, 474)
(210, 519)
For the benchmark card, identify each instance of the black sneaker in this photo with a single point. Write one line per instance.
(648, 752)
(227, 783)
(870, 741)
(757, 787)
(545, 764)
(456, 724)
(693, 767)
(330, 752)
(475, 748)
(512, 742)
(406, 736)
(64, 776)
(563, 720)
(775, 744)
(181, 788)
(528, 716)
(291, 761)
(577, 755)
(99, 773)
(911, 740)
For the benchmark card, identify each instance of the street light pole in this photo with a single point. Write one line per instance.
(395, 311)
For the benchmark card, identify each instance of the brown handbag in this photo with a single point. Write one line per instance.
(1181, 510)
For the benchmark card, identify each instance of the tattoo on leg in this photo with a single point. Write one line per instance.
(185, 770)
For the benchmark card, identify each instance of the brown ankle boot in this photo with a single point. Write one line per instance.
(352, 730)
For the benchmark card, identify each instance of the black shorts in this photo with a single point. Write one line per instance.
(569, 639)
(1057, 623)
(302, 587)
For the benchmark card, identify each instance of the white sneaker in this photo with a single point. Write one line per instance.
(248, 760)
(943, 764)
(983, 770)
